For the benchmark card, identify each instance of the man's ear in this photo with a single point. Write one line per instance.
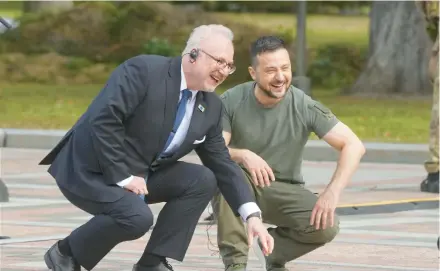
(252, 72)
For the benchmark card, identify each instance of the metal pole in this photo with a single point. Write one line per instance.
(4, 193)
(300, 80)
(5, 23)
(300, 37)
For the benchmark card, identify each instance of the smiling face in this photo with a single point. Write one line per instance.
(272, 72)
(214, 62)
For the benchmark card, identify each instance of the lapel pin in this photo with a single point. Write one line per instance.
(201, 108)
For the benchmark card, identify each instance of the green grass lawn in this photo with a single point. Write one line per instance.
(58, 107)
(9, 13)
(320, 29)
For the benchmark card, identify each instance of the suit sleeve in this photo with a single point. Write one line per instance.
(214, 155)
(125, 89)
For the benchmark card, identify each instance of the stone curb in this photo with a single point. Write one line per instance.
(316, 150)
(388, 208)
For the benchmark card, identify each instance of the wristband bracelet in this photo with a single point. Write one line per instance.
(256, 214)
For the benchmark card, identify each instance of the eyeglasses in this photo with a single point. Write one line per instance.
(222, 63)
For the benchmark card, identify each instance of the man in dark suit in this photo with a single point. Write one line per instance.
(122, 155)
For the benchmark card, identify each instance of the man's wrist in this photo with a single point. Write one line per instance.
(238, 155)
(241, 155)
(256, 214)
(126, 181)
(247, 209)
(335, 188)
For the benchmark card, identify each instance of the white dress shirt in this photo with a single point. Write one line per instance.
(246, 209)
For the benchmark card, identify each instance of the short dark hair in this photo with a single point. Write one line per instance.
(265, 44)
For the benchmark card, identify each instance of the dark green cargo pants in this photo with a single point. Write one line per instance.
(286, 205)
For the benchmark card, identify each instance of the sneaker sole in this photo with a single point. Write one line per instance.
(48, 261)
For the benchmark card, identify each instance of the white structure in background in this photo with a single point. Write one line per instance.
(10, 21)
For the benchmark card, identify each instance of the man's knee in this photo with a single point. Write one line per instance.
(138, 223)
(206, 183)
(309, 234)
(328, 234)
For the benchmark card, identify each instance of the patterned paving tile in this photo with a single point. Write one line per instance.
(38, 215)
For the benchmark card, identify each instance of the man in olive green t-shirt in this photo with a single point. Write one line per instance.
(266, 124)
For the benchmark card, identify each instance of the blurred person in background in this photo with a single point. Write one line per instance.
(430, 11)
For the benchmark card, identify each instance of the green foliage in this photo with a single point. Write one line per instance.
(80, 31)
(249, 6)
(51, 68)
(77, 63)
(104, 33)
(156, 46)
(336, 65)
(432, 27)
(430, 10)
(94, 35)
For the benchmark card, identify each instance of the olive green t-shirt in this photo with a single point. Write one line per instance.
(277, 134)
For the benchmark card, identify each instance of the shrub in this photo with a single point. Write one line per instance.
(336, 65)
(157, 46)
(80, 31)
(51, 68)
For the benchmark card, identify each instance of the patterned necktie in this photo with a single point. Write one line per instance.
(186, 95)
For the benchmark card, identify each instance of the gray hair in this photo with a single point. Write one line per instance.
(201, 32)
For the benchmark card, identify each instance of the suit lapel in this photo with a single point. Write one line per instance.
(172, 92)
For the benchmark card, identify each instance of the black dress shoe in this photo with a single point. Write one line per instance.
(431, 183)
(163, 266)
(58, 262)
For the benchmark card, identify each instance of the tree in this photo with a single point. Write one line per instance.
(399, 51)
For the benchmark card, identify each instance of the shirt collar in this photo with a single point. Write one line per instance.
(183, 83)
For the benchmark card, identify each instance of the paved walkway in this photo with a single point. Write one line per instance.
(37, 215)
